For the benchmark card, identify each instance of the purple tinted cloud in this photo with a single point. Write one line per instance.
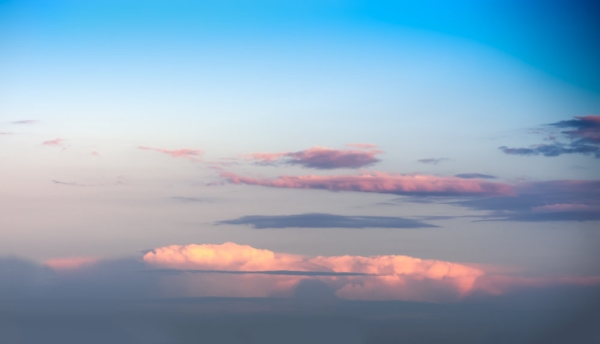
(583, 135)
(432, 161)
(558, 200)
(318, 220)
(475, 176)
(25, 121)
(323, 158)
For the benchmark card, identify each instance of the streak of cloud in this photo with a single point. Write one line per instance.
(475, 176)
(379, 182)
(25, 121)
(433, 161)
(317, 220)
(192, 154)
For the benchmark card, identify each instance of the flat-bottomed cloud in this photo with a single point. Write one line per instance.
(317, 220)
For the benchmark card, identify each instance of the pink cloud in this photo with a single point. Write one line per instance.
(390, 272)
(363, 145)
(385, 277)
(323, 158)
(70, 263)
(176, 153)
(266, 157)
(379, 182)
(58, 142)
(94, 153)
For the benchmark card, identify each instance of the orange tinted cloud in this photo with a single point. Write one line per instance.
(380, 182)
(70, 263)
(176, 153)
(384, 277)
(228, 256)
(237, 273)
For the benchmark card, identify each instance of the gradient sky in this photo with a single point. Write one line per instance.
(463, 133)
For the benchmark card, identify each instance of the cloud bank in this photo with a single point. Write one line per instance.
(264, 273)
(241, 271)
(388, 277)
(322, 157)
(379, 182)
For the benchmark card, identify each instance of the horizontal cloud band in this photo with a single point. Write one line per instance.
(317, 220)
(379, 182)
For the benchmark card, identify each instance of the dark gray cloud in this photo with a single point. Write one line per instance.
(475, 176)
(583, 137)
(560, 200)
(318, 220)
(433, 161)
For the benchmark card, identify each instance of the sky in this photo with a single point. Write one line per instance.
(337, 167)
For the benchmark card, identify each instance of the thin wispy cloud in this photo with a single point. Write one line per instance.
(363, 145)
(475, 176)
(582, 134)
(322, 157)
(318, 220)
(57, 142)
(25, 121)
(6, 133)
(379, 182)
(433, 161)
(184, 199)
(192, 154)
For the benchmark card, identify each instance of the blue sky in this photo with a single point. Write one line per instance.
(331, 137)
